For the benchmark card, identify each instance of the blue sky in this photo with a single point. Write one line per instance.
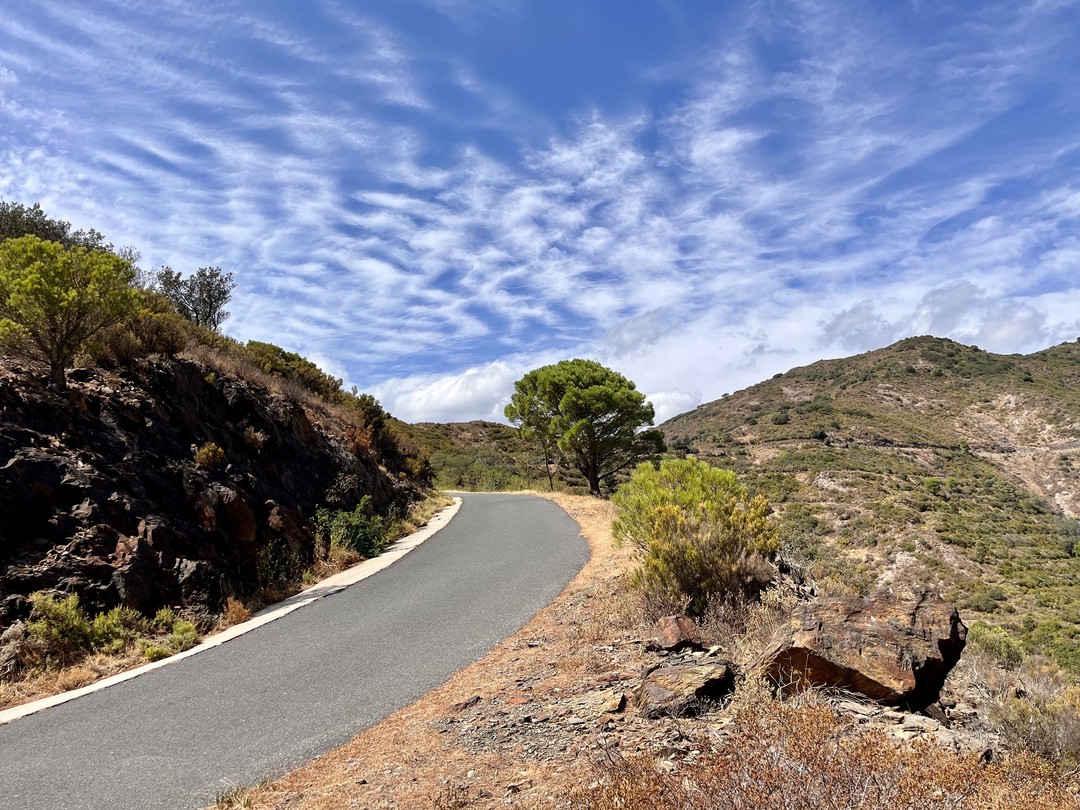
(431, 197)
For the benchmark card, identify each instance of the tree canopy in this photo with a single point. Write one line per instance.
(586, 413)
(201, 297)
(18, 220)
(55, 299)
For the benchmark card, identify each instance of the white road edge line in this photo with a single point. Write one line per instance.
(328, 586)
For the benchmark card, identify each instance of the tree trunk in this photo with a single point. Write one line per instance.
(57, 377)
(594, 484)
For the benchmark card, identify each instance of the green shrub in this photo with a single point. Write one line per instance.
(701, 536)
(997, 643)
(60, 626)
(253, 439)
(164, 619)
(359, 530)
(111, 632)
(152, 651)
(209, 456)
(184, 636)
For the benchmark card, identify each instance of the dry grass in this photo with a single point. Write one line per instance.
(38, 684)
(801, 756)
(234, 612)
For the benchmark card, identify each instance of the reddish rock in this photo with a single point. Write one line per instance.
(676, 633)
(895, 649)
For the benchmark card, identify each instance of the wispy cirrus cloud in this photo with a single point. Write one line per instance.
(800, 180)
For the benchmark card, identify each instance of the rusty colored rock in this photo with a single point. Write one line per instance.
(676, 633)
(895, 649)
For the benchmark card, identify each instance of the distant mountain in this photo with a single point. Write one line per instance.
(927, 461)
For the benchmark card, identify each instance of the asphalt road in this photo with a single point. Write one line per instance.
(275, 698)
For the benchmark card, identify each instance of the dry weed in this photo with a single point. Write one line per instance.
(234, 612)
(801, 756)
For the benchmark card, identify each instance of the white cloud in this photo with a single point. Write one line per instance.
(755, 219)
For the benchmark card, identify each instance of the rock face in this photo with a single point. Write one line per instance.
(895, 649)
(681, 689)
(100, 495)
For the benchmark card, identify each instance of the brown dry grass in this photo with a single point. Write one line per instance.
(44, 683)
(802, 756)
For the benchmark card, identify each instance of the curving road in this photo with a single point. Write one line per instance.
(275, 698)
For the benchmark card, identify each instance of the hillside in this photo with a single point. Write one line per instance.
(482, 456)
(170, 482)
(926, 461)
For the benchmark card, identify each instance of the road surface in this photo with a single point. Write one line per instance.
(271, 700)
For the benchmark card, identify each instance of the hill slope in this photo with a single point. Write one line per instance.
(104, 491)
(926, 461)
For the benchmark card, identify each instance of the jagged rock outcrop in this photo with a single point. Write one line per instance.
(100, 494)
(894, 648)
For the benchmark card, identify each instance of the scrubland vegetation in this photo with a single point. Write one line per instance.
(799, 755)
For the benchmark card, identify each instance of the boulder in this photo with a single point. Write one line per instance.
(680, 690)
(675, 633)
(894, 648)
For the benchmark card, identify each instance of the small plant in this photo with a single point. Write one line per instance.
(164, 619)
(209, 456)
(360, 439)
(153, 652)
(184, 636)
(253, 439)
(359, 530)
(61, 627)
(111, 632)
(234, 612)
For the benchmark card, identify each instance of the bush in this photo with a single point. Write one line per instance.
(113, 631)
(209, 456)
(359, 530)
(61, 627)
(184, 636)
(998, 644)
(153, 652)
(253, 439)
(164, 619)
(701, 536)
(234, 612)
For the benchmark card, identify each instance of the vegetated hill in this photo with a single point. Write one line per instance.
(927, 461)
(167, 482)
(484, 456)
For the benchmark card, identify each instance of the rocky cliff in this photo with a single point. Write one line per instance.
(101, 495)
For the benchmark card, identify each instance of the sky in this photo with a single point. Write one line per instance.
(429, 198)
